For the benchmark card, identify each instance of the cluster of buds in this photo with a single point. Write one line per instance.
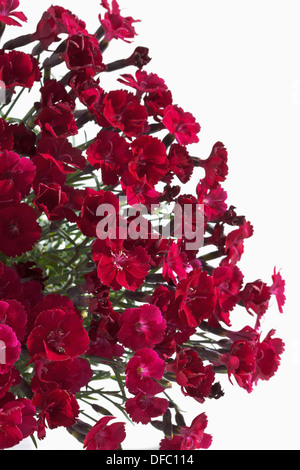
(80, 302)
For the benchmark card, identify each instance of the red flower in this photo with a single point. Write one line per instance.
(105, 437)
(234, 244)
(255, 297)
(58, 336)
(215, 166)
(181, 124)
(213, 200)
(111, 153)
(119, 267)
(278, 289)
(8, 380)
(7, 8)
(268, 357)
(241, 363)
(194, 378)
(17, 420)
(190, 438)
(180, 162)
(10, 348)
(115, 25)
(56, 408)
(141, 327)
(18, 69)
(197, 297)
(123, 111)
(19, 230)
(82, 52)
(144, 82)
(175, 264)
(143, 371)
(149, 159)
(228, 280)
(142, 408)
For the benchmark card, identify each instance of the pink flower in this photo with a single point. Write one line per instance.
(141, 327)
(143, 371)
(105, 437)
(190, 438)
(182, 124)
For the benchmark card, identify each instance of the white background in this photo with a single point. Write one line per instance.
(236, 66)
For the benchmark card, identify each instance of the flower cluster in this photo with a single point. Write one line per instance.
(79, 302)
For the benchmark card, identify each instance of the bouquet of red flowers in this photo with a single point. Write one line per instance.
(110, 273)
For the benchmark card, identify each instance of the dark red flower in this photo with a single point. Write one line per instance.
(119, 267)
(56, 408)
(55, 21)
(143, 371)
(111, 153)
(228, 280)
(24, 140)
(123, 111)
(57, 121)
(103, 334)
(181, 124)
(70, 375)
(241, 363)
(7, 10)
(18, 69)
(115, 25)
(139, 191)
(105, 437)
(197, 297)
(17, 420)
(6, 135)
(90, 217)
(19, 230)
(10, 348)
(142, 408)
(175, 264)
(141, 327)
(195, 379)
(82, 52)
(52, 200)
(58, 336)
(48, 171)
(68, 158)
(190, 438)
(180, 163)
